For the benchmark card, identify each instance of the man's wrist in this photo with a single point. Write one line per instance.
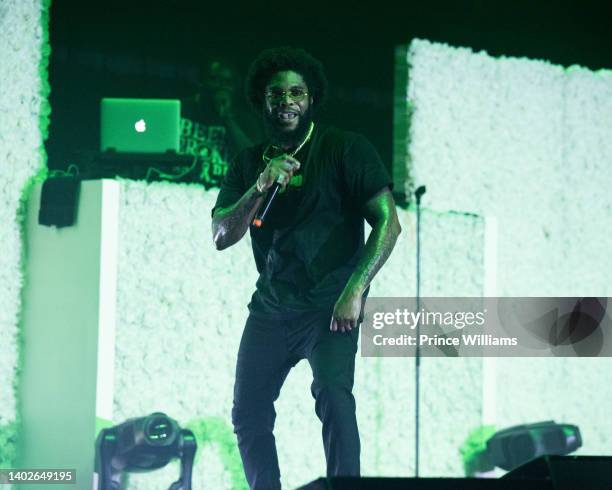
(354, 290)
(256, 190)
(259, 186)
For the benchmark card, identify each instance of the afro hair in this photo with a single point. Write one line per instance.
(271, 61)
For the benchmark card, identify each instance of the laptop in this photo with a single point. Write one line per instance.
(140, 125)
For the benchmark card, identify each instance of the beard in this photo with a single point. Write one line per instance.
(283, 137)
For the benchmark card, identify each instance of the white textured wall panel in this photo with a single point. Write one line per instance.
(23, 106)
(584, 200)
(526, 143)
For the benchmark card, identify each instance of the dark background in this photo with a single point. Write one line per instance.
(152, 49)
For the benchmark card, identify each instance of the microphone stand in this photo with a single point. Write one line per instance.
(417, 355)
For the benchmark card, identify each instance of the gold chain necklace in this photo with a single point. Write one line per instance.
(266, 158)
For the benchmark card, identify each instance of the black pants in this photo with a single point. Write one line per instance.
(269, 348)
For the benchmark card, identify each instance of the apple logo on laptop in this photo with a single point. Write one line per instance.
(140, 126)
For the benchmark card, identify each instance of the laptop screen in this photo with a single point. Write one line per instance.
(140, 125)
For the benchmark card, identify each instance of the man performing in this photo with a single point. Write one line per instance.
(314, 269)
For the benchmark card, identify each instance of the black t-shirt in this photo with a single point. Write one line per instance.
(313, 235)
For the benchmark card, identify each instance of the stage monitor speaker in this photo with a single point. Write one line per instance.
(567, 472)
(369, 483)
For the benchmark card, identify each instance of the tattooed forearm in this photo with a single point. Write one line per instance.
(385, 230)
(378, 247)
(230, 224)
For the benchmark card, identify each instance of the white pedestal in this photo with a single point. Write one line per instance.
(66, 381)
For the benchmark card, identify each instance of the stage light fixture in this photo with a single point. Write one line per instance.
(141, 445)
(517, 445)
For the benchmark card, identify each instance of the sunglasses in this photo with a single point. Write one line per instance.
(297, 94)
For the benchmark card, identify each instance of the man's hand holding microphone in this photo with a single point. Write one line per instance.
(275, 177)
(279, 170)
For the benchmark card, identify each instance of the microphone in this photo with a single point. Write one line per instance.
(263, 210)
(419, 192)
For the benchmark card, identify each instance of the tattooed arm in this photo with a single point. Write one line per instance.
(380, 213)
(230, 224)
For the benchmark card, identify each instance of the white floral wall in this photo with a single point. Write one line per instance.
(527, 144)
(524, 141)
(24, 110)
